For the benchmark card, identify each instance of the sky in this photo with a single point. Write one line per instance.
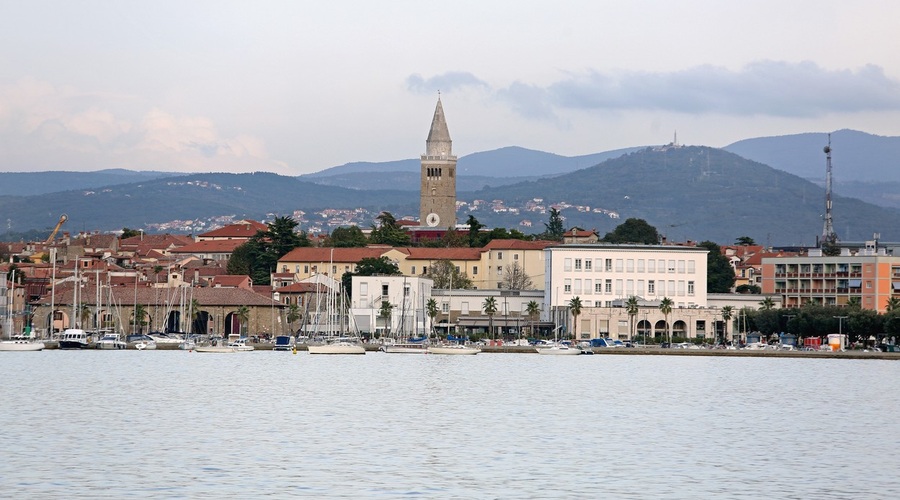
(295, 87)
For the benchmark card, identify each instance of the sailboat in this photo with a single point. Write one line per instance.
(557, 348)
(74, 338)
(14, 343)
(409, 345)
(340, 344)
(452, 348)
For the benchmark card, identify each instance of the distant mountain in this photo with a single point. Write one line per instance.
(409, 181)
(488, 168)
(28, 183)
(856, 156)
(701, 193)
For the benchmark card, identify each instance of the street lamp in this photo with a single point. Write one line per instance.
(840, 329)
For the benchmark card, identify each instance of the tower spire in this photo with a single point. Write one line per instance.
(438, 142)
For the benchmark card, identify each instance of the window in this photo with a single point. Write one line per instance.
(619, 286)
(651, 286)
(629, 265)
(598, 265)
(680, 267)
(588, 286)
(578, 264)
(567, 264)
(587, 264)
(499, 255)
(406, 290)
(651, 266)
(515, 256)
(567, 285)
(306, 269)
(457, 268)
(690, 288)
(671, 287)
(598, 287)
(681, 288)
(333, 269)
(577, 287)
(384, 289)
(499, 270)
(609, 264)
(691, 266)
(661, 265)
(607, 287)
(640, 287)
(474, 270)
(640, 265)
(598, 303)
(315, 269)
(445, 308)
(671, 266)
(629, 287)
(619, 265)
(363, 289)
(465, 308)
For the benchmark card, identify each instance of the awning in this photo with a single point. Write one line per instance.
(854, 283)
(895, 285)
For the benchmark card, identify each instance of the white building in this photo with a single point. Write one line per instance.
(407, 296)
(462, 312)
(604, 277)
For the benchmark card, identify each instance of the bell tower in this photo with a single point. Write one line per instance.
(437, 198)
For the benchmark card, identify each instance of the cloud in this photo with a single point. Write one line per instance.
(764, 88)
(452, 80)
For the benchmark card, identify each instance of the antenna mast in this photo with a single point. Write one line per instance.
(828, 230)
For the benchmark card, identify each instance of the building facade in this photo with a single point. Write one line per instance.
(872, 280)
(407, 297)
(437, 198)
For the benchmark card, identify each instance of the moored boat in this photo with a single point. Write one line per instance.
(338, 347)
(73, 338)
(111, 341)
(21, 344)
(452, 349)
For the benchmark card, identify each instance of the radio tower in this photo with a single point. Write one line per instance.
(828, 230)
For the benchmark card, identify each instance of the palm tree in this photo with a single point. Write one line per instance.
(767, 304)
(727, 314)
(575, 306)
(84, 314)
(490, 308)
(533, 309)
(293, 315)
(893, 304)
(194, 313)
(631, 306)
(431, 309)
(243, 315)
(385, 314)
(140, 312)
(665, 307)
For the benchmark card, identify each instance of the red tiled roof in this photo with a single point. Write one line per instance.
(242, 230)
(157, 241)
(209, 246)
(342, 255)
(512, 244)
(125, 296)
(234, 280)
(454, 253)
(579, 233)
(303, 288)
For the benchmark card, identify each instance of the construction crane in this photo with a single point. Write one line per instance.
(62, 220)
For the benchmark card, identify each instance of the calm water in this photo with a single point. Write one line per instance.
(172, 424)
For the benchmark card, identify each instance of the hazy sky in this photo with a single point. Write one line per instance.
(294, 87)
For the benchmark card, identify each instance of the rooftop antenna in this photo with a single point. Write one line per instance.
(828, 230)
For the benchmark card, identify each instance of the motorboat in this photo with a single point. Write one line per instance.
(240, 345)
(73, 338)
(452, 349)
(406, 348)
(214, 348)
(283, 343)
(559, 349)
(111, 341)
(21, 344)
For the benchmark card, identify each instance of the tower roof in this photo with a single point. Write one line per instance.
(438, 142)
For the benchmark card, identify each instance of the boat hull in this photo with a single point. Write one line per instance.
(21, 346)
(559, 351)
(341, 348)
(405, 349)
(453, 350)
(215, 349)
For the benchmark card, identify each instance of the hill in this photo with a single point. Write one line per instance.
(489, 168)
(31, 183)
(856, 156)
(702, 193)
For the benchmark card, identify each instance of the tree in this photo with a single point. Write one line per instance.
(854, 302)
(744, 241)
(241, 257)
(830, 247)
(767, 304)
(533, 309)
(347, 237)
(754, 289)
(129, 233)
(84, 315)
(633, 231)
(388, 231)
(431, 309)
(575, 308)
(719, 273)
(446, 275)
(554, 225)
(195, 314)
(893, 304)
(665, 307)
(514, 278)
(243, 316)
(632, 308)
(727, 314)
(370, 266)
(139, 318)
(475, 228)
(293, 315)
(258, 257)
(490, 308)
(385, 314)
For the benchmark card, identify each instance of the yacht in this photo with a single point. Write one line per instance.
(73, 338)
(452, 349)
(21, 344)
(111, 341)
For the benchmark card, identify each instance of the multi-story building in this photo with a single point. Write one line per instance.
(872, 280)
(604, 277)
(407, 297)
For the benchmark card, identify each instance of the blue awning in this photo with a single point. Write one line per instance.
(854, 283)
